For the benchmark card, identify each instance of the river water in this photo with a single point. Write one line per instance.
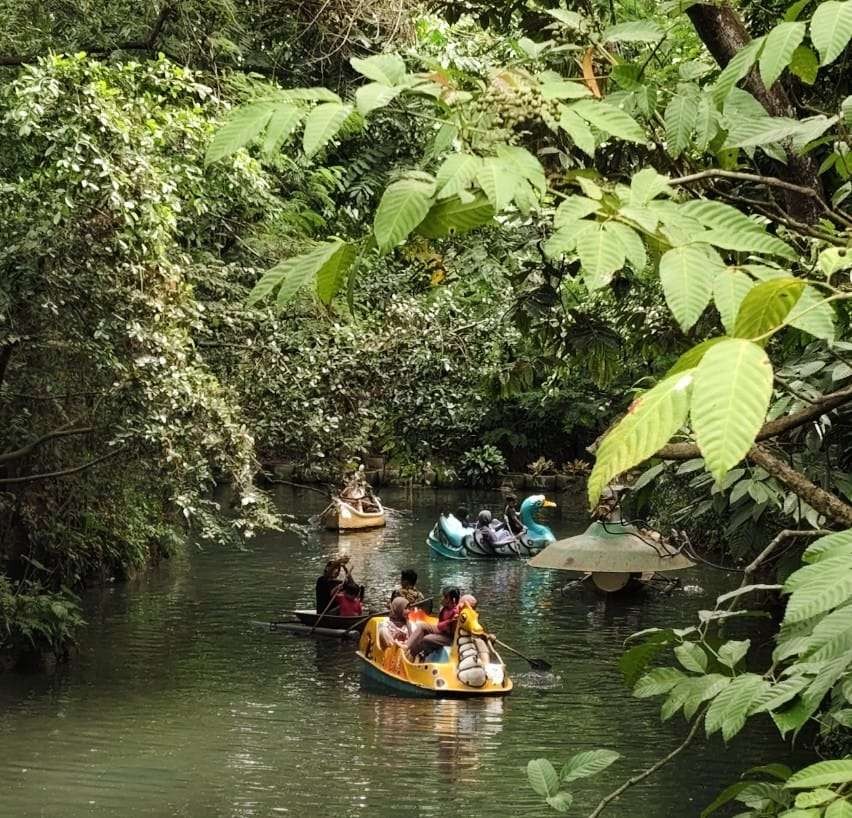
(178, 706)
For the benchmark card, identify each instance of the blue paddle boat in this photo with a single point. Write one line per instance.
(452, 539)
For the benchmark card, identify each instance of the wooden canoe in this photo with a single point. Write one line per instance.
(332, 622)
(342, 516)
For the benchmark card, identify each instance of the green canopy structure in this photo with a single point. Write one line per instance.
(611, 553)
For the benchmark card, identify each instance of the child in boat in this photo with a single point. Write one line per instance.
(348, 601)
(428, 638)
(408, 581)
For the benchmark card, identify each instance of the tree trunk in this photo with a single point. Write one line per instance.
(824, 502)
(724, 34)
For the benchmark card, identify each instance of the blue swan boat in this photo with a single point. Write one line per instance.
(452, 539)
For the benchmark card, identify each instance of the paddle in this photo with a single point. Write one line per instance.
(325, 611)
(385, 613)
(535, 664)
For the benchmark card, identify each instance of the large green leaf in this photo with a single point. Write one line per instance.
(649, 424)
(730, 287)
(731, 229)
(839, 809)
(823, 592)
(523, 164)
(658, 681)
(828, 546)
(609, 119)
(456, 174)
(805, 64)
(388, 69)
(573, 208)
(680, 118)
(241, 127)
(812, 314)
(781, 42)
(403, 206)
(646, 185)
(821, 774)
(564, 89)
(687, 274)
(766, 307)
(733, 386)
(692, 357)
(498, 182)
(706, 122)
(832, 636)
(283, 122)
(579, 131)
(635, 31)
(831, 28)
(374, 95)
(453, 216)
(751, 132)
(329, 260)
(634, 247)
(736, 69)
(322, 125)
(601, 254)
(331, 275)
(543, 777)
(586, 764)
(729, 709)
(692, 656)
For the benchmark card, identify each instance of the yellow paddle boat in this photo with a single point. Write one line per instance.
(470, 666)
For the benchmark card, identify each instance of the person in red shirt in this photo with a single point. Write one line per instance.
(348, 600)
(428, 638)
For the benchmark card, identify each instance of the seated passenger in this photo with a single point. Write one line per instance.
(484, 530)
(408, 581)
(348, 600)
(427, 638)
(395, 629)
(463, 516)
(512, 516)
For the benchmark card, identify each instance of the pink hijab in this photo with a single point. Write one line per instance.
(468, 600)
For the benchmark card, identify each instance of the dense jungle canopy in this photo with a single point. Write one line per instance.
(465, 236)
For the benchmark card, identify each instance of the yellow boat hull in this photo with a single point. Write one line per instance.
(389, 665)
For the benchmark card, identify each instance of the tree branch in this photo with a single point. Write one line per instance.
(146, 44)
(786, 534)
(819, 499)
(607, 800)
(28, 478)
(688, 451)
(17, 454)
(769, 181)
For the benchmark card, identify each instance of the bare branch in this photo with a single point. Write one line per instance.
(17, 454)
(29, 478)
(607, 800)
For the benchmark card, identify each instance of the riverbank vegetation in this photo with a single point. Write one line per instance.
(465, 236)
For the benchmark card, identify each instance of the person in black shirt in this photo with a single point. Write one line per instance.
(330, 583)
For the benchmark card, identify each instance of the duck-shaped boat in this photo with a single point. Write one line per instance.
(451, 538)
(470, 666)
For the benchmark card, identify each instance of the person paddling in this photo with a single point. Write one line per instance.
(328, 585)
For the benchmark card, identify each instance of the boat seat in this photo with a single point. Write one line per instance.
(439, 656)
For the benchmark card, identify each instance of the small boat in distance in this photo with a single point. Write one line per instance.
(452, 539)
(355, 507)
(353, 515)
(469, 667)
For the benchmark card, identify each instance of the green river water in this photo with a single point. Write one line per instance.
(176, 705)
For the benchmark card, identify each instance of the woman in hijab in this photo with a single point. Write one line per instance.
(395, 628)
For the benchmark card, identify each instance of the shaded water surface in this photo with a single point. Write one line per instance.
(178, 706)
